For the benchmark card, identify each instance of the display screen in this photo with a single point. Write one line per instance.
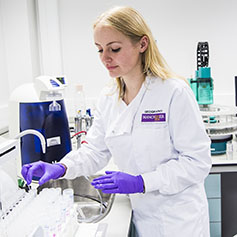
(61, 79)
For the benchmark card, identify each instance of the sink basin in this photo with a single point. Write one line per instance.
(92, 204)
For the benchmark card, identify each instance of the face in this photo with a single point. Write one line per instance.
(120, 56)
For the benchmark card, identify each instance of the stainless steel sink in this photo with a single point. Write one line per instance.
(92, 204)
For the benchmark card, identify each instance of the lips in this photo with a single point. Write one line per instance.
(111, 67)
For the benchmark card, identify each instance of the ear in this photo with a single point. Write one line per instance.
(144, 41)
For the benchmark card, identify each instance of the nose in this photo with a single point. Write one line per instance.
(105, 57)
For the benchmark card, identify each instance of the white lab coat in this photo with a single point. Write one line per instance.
(171, 152)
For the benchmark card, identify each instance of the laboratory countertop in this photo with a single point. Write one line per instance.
(116, 223)
(119, 217)
(225, 162)
(222, 163)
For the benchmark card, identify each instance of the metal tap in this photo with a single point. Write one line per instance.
(82, 125)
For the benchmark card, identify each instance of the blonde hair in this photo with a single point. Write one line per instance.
(129, 22)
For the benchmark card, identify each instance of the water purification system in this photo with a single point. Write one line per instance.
(40, 106)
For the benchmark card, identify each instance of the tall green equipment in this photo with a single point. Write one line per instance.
(202, 84)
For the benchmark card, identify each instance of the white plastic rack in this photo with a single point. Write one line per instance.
(219, 120)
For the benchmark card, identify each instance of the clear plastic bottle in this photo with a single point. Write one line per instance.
(79, 100)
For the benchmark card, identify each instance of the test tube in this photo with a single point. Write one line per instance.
(69, 193)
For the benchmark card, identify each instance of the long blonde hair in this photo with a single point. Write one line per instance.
(129, 22)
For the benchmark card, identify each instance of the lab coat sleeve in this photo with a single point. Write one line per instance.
(189, 138)
(91, 157)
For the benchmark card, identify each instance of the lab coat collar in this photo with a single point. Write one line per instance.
(123, 123)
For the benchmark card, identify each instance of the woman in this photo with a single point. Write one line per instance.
(151, 126)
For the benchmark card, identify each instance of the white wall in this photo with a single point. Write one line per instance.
(48, 26)
(4, 88)
(18, 42)
(177, 26)
(18, 56)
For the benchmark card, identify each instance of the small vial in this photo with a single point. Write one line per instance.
(69, 195)
(229, 150)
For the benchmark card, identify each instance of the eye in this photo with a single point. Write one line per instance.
(116, 50)
(100, 50)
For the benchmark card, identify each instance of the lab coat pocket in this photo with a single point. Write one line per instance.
(151, 146)
(182, 219)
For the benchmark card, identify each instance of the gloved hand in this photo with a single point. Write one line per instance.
(45, 171)
(119, 182)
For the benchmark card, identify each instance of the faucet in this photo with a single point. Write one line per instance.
(82, 125)
(34, 132)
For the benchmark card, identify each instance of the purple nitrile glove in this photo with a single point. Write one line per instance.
(119, 182)
(45, 171)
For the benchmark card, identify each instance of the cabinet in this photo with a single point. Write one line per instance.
(213, 191)
(221, 190)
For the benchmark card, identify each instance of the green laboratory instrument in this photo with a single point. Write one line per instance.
(202, 84)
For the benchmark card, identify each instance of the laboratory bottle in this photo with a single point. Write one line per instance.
(229, 150)
(80, 100)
